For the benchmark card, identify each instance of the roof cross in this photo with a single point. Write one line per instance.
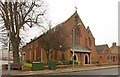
(76, 8)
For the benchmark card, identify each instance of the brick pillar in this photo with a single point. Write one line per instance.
(35, 55)
(82, 59)
(90, 58)
(30, 55)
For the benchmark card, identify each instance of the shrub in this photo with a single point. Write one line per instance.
(60, 63)
(75, 62)
(37, 66)
(65, 62)
(95, 62)
(45, 64)
(52, 65)
(25, 64)
(63, 57)
(71, 62)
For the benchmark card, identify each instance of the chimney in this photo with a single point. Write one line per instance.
(114, 44)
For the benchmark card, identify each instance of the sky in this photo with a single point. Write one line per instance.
(100, 15)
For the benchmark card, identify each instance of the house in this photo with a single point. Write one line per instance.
(105, 55)
(116, 51)
(78, 40)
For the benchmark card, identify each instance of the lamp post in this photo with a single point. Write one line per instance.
(8, 52)
(60, 47)
(73, 41)
(62, 53)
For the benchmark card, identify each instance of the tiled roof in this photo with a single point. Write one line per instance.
(115, 49)
(100, 48)
(81, 49)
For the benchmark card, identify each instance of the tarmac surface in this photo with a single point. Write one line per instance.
(17, 73)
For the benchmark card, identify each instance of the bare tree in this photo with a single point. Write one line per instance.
(15, 15)
(53, 39)
(3, 36)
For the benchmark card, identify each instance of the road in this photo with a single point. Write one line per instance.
(113, 72)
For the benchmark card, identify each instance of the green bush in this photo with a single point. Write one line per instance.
(71, 62)
(75, 62)
(104, 63)
(45, 63)
(52, 65)
(95, 62)
(37, 66)
(63, 57)
(65, 62)
(59, 63)
(25, 64)
(114, 63)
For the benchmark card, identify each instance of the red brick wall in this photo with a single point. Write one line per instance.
(68, 26)
(108, 58)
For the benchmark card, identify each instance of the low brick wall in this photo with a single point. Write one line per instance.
(4, 67)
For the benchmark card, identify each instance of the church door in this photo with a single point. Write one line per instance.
(75, 57)
(86, 59)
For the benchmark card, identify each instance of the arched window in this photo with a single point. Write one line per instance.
(77, 35)
(108, 57)
(77, 31)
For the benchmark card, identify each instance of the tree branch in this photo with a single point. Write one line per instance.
(30, 8)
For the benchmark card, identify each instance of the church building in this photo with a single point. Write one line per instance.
(77, 42)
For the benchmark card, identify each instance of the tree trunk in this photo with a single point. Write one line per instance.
(15, 46)
(47, 57)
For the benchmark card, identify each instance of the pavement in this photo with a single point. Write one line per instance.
(64, 70)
